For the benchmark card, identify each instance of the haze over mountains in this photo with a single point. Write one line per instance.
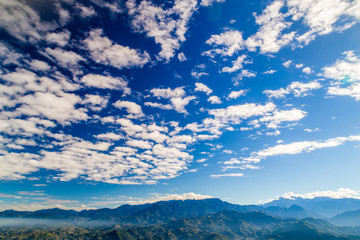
(324, 207)
(298, 218)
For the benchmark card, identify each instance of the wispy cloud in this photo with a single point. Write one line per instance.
(227, 175)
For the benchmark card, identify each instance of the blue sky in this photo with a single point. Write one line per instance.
(112, 102)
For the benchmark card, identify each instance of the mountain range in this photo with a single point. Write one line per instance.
(199, 219)
(159, 212)
(323, 207)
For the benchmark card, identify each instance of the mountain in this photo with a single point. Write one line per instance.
(157, 213)
(350, 218)
(322, 207)
(224, 225)
(304, 230)
(293, 211)
(206, 219)
(53, 213)
(161, 212)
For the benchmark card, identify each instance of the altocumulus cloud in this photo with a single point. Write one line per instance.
(132, 133)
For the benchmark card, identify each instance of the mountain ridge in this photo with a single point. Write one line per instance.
(158, 212)
(165, 211)
(224, 225)
(321, 207)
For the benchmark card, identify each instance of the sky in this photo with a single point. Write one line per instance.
(105, 103)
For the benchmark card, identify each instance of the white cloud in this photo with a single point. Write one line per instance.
(85, 12)
(38, 65)
(26, 142)
(83, 159)
(287, 63)
(37, 105)
(236, 94)
(113, 7)
(108, 119)
(60, 108)
(10, 196)
(227, 175)
(346, 69)
(200, 87)
(352, 91)
(307, 70)
(110, 136)
(25, 127)
(232, 41)
(181, 138)
(237, 64)
(104, 51)
(236, 113)
(243, 167)
(228, 151)
(139, 144)
(106, 82)
(204, 137)
(271, 71)
(199, 71)
(297, 88)
(196, 74)
(300, 65)
(15, 165)
(345, 76)
(201, 160)
(141, 162)
(60, 38)
(299, 147)
(31, 193)
(224, 118)
(9, 55)
(244, 74)
(156, 197)
(177, 97)
(159, 105)
(166, 26)
(182, 57)
(66, 59)
(275, 133)
(270, 37)
(64, 14)
(340, 193)
(278, 117)
(132, 108)
(161, 151)
(319, 16)
(22, 22)
(95, 102)
(207, 3)
(214, 100)
(311, 130)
